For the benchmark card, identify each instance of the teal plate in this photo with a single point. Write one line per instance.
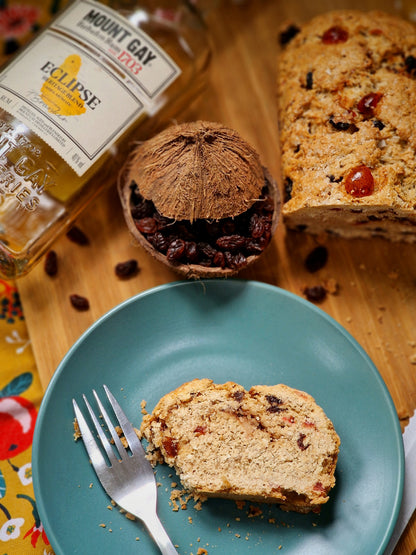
(244, 331)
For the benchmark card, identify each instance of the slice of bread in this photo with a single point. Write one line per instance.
(270, 444)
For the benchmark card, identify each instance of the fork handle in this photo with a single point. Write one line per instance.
(158, 533)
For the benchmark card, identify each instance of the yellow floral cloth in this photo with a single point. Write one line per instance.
(21, 531)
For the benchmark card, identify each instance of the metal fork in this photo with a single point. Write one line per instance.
(129, 480)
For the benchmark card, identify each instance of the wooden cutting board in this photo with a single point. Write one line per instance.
(376, 281)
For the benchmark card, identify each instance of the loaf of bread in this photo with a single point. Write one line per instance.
(270, 444)
(347, 119)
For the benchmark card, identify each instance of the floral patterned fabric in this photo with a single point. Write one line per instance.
(21, 531)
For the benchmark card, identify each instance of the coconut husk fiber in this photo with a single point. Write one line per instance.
(197, 170)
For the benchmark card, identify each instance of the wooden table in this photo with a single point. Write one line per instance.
(376, 300)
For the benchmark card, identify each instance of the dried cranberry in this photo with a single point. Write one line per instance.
(176, 250)
(319, 487)
(359, 182)
(78, 302)
(51, 263)
(126, 269)
(200, 430)
(335, 35)
(76, 235)
(316, 259)
(238, 395)
(147, 225)
(170, 446)
(368, 103)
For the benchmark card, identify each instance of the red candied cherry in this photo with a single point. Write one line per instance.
(359, 182)
(368, 103)
(335, 35)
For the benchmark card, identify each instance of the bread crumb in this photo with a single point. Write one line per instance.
(102, 525)
(254, 511)
(143, 407)
(91, 485)
(77, 431)
(201, 551)
(109, 507)
(332, 286)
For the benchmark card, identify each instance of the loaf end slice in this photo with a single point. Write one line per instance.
(270, 444)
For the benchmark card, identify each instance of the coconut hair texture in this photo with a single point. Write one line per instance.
(196, 171)
(270, 444)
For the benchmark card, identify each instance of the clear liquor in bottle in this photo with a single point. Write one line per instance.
(72, 102)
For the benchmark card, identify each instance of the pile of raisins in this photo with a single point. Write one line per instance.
(226, 243)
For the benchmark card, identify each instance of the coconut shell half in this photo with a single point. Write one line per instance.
(198, 171)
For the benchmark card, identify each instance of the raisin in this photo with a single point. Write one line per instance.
(256, 226)
(316, 259)
(275, 404)
(410, 63)
(79, 303)
(340, 125)
(170, 446)
(127, 269)
(288, 186)
(159, 241)
(191, 251)
(76, 235)
(147, 225)
(368, 103)
(300, 443)
(379, 124)
(143, 209)
(359, 182)
(176, 250)
(335, 35)
(238, 395)
(219, 259)
(208, 251)
(333, 179)
(309, 80)
(238, 261)
(315, 293)
(231, 242)
(288, 34)
(51, 263)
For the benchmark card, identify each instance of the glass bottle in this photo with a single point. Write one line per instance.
(99, 77)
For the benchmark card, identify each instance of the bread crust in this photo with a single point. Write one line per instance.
(325, 132)
(270, 444)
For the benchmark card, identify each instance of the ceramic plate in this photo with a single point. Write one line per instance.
(244, 331)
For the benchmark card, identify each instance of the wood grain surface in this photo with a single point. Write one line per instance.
(376, 281)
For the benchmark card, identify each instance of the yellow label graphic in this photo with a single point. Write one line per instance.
(61, 90)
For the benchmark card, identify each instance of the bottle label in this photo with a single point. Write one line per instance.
(85, 80)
